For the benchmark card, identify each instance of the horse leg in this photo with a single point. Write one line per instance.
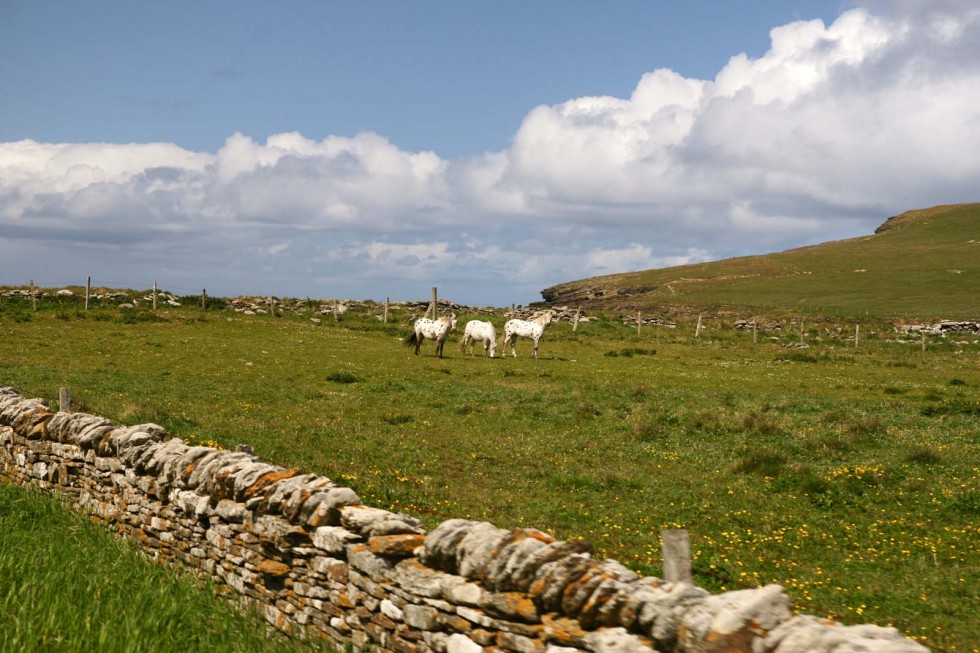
(513, 341)
(462, 345)
(418, 345)
(439, 344)
(534, 352)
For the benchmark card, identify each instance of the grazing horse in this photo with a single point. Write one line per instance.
(482, 331)
(433, 330)
(533, 330)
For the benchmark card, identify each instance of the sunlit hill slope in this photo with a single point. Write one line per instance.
(923, 263)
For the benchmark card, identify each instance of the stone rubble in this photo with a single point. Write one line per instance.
(317, 562)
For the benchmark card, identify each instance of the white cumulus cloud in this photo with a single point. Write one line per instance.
(834, 128)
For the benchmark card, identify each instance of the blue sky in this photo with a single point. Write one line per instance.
(453, 77)
(370, 149)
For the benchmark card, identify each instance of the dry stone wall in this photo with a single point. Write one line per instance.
(318, 562)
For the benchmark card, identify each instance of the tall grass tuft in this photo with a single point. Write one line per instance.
(68, 585)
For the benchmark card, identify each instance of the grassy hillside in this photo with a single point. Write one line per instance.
(919, 264)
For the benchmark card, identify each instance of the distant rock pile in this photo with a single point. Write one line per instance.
(941, 328)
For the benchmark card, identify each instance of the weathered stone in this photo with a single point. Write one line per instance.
(325, 507)
(395, 546)
(511, 605)
(415, 578)
(422, 617)
(392, 611)
(171, 450)
(562, 629)
(334, 539)
(664, 608)
(375, 522)
(231, 511)
(442, 543)
(454, 623)
(733, 620)
(519, 643)
(514, 550)
(808, 634)
(526, 571)
(615, 640)
(273, 568)
(577, 592)
(588, 614)
(459, 592)
(177, 472)
(375, 567)
(459, 643)
(476, 550)
(551, 580)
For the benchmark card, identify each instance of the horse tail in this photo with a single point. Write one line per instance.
(411, 340)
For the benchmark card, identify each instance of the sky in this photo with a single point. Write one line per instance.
(363, 150)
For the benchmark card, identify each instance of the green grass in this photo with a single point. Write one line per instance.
(927, 266)
(861, 502)
(68, 585)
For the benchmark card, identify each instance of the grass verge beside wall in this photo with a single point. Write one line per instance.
(69, 585)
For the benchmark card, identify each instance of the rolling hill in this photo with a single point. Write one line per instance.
(923, 263)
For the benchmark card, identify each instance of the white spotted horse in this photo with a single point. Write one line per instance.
(483, 332)
(532, 329)
(433, 330)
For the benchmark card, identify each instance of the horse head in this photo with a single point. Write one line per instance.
(452, 321)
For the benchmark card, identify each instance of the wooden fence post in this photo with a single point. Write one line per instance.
(64, 399)
(33, 297)
(801, 331)
(435, 305)
(697, 330)
(385, 319)
(88, 291)
(639, 321)
(154, 295)
(204, 299)
(857, 334)
(755, 331)
(923, 332)
(575, 321)
(676, 549)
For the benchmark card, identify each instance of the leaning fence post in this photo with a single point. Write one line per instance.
(33, 297)
(697, 330)
(639, 321)
(676, 549)
(64, 399)
(88, 291)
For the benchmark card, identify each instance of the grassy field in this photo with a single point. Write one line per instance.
(927, 265)
(68, 585)
(850, 476)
